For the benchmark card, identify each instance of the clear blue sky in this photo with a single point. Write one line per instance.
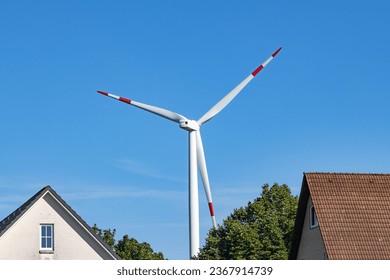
(321, 105)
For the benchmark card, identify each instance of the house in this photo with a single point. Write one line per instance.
(343, 216)
(46, 227)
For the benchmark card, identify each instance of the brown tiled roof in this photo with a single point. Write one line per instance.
(353, 212)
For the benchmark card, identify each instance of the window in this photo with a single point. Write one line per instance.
(313, 218)
(47, 237)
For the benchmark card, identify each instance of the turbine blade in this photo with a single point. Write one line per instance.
(203, 173)
(152, 109)
(231, 95)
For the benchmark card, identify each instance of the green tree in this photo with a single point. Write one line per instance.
(128, 248)
(262, 230)
(108, 235)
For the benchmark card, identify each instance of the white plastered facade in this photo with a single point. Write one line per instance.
(71, 240)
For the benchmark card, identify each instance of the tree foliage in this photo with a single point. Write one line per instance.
(260, 231)
(128, 248)
(108, 235)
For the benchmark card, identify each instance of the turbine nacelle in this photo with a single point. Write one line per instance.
(189, 125)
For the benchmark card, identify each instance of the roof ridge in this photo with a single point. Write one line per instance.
(14, 216)
(8, 221)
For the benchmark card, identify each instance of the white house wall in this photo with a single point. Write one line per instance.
(71, 240)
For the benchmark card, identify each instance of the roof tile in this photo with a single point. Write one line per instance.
(353, 211)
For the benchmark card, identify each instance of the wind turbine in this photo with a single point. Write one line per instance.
(196, 152)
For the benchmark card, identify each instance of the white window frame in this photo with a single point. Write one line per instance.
(313, 218)
(51, 236)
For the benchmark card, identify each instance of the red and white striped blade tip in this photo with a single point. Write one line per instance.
(102, 92)
(123, 99)
(277, 51)
(211, 208)
(261, 67)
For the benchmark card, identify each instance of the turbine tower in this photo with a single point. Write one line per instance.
(196, 152)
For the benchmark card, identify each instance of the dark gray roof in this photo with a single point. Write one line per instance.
(6, 223)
